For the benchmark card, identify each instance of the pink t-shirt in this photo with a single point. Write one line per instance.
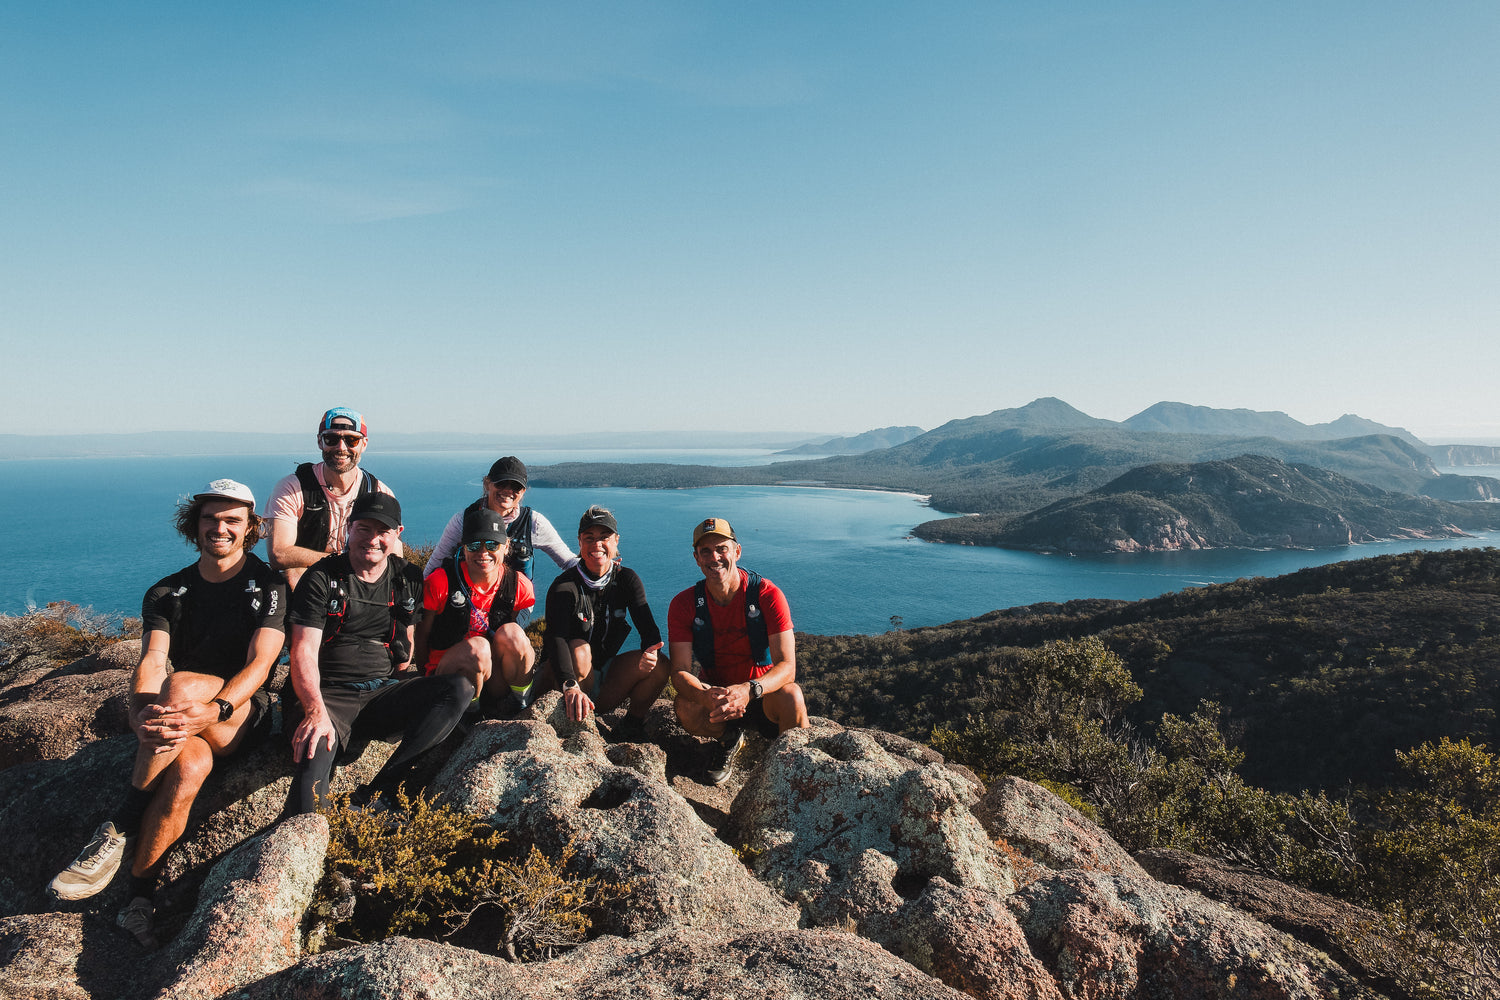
(286, 504)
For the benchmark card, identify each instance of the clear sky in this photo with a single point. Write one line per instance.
(820, 217)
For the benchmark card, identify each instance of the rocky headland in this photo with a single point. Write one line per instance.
(840, 863)
(1250, 501)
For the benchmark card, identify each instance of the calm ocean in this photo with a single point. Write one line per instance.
(98, 532)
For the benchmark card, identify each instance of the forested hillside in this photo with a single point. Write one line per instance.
(1323, 674)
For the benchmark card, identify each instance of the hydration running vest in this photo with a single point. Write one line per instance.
(313, 525)
(755, 625)
(588, 604)
(403, 601)
(262, 581)
(452, 621)
(519, 550)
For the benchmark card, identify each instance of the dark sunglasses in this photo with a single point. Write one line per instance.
(331, 440)
(488, 544)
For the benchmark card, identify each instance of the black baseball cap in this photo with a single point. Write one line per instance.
(598, 517)
(483, 525)
(377, 506)
(509, 469)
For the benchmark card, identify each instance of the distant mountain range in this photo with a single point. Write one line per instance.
(884, 437)
(1012, 462)
(1247, 502)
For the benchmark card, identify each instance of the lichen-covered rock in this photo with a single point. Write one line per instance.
(1348, 933)
(49, 712)
(63, 956)
(1110, 936)
(397, 968)
(683, 963)
(1045, 828)
(969, 940)
(625, 826)
(248, 921)
(821, 801)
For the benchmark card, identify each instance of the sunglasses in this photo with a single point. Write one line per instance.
(488, 544)
(331, 440)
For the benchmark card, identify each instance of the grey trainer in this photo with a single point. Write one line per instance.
(95, 865)
(136, 918)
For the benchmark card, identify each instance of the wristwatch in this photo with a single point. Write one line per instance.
(756, 689)
(569, 685)
(226, 709)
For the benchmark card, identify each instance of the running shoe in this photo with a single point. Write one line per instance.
(136, 918)
(94, 866)
(726, 751)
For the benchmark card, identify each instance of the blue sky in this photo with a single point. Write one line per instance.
(810, 217)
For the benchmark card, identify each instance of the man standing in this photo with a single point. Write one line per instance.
(220, 624)
(308, 511)
(738, 627)
(352, 620)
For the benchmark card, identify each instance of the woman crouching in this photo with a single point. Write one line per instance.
(474, 618)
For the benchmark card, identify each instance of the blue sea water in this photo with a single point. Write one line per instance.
(98, 532)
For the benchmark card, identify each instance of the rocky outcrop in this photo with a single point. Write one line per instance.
(1048, 830)
(49, 712)
(1346, 932)
(625, 824)
(849, 823)
(249, 922)
(1112, 936)
(689, 963)
(852, 863)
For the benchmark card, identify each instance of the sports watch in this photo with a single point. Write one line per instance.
(756, 689)
(226, 709)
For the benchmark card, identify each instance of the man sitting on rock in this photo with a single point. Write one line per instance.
(308, 512)
(219, 623)
(738, 627)
(352, 620)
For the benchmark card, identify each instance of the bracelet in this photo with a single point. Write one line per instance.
(226, 709)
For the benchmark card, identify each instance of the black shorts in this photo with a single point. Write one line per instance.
(755, 718)
(257, 727)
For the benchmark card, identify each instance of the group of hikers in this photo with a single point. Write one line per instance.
(381, 649)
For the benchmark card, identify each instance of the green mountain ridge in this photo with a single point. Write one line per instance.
(1250, 501)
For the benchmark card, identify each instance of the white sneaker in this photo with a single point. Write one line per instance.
(94, 866)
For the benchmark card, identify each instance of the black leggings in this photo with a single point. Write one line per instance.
(423, 710)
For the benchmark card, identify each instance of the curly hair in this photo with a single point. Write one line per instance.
(186, 522)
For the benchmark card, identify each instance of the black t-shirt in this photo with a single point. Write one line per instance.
(211, 624)
(576, 611)
(356, 646)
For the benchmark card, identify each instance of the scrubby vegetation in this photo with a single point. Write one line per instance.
(420, 867)
(61, 631)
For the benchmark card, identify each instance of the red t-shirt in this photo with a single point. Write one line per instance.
(733, 661)
(435, 595)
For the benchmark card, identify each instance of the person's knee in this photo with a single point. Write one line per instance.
(193, 765)
(460, 690)
(512, 644)
(786, 707)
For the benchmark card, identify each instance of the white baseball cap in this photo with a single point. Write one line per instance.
(226, 489)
